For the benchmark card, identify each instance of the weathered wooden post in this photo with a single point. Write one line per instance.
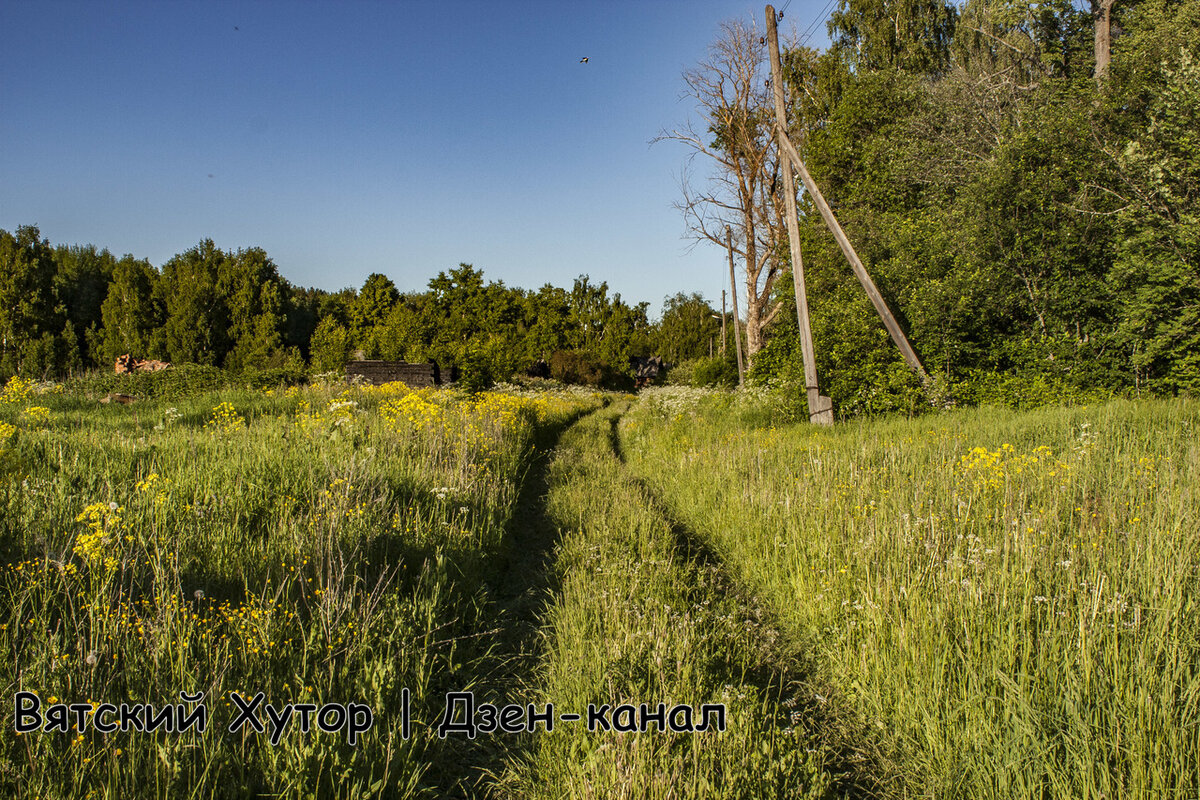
(737, 325)
(889, 322)
(820, 408)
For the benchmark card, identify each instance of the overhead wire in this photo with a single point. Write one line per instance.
(821, 15)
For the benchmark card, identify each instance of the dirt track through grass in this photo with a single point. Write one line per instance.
(521, 586)
(643, 612)
(1006, 601)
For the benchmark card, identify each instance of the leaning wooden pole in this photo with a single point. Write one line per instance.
(737, 325)
(860, 271)
(785, 144)
(820, 409)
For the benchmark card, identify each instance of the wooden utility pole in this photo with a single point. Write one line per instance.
(820, 408)
(737, 325)
(723, 339)
(893, 327)
(831, 222)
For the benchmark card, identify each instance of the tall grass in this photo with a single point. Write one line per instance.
(639, 618)
(320, 545)
(1009, 600)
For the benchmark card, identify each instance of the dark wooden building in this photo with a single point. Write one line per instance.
(414, 375)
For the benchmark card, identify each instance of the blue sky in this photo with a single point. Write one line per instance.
(357, 137)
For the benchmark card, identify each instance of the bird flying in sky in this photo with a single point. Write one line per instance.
(583, 60)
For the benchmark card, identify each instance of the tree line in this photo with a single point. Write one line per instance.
(70, 308)
(1021, 179)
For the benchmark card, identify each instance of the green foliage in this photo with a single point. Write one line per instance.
(330, 346)
(575, 367)
(1018, 219)
(181, 380)
(887, 34)
(81, 282)
(1158, 259)
(131, 313)
(256, 296)
(196, 326)
(1024, 393)
(372, 303)
(704, 371)
(31, 317)
(687, 328)
(715, 371)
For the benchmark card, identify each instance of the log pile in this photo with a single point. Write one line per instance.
(127, 365)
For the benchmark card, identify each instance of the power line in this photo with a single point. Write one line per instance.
(821, 15)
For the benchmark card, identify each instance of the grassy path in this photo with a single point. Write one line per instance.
(1006, 599)
(520, 585)
(643, 613)
(321, 546)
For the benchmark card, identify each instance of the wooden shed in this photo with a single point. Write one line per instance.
(414, 375)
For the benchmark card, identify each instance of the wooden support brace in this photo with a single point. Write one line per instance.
(893, 327)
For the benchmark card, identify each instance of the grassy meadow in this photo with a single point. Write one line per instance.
(979, 603)
(327, 544)
(1004, 603)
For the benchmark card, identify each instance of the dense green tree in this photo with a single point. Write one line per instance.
(994, 197)
(31, 316)
(81, 282)
(304, 306)
(196, 328)
(131, 313)
(370, 308)
(686, 328)
(589, 309)
(256, 297)
(475, 325)
(1158, 256)
(548, 323)
(909, 35)
(330, 346)
(627, 333)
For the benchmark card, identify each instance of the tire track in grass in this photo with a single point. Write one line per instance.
(518, 586)
(783, 671)
(644, 613)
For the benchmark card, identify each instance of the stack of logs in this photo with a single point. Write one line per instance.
(127, 364)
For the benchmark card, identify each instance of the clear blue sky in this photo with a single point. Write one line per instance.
(357, 137)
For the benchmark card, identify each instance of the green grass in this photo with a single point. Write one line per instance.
(318, 545)
(981, 603)
(642, 617)
(1008, 600)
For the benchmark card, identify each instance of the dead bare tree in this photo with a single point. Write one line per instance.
(734, 134)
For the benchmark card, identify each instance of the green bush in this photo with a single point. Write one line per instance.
(181, 380)
(579, 367)
(1022, 392)
(714, 372)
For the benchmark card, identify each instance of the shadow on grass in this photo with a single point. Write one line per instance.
(782, 670)
(519, 585)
